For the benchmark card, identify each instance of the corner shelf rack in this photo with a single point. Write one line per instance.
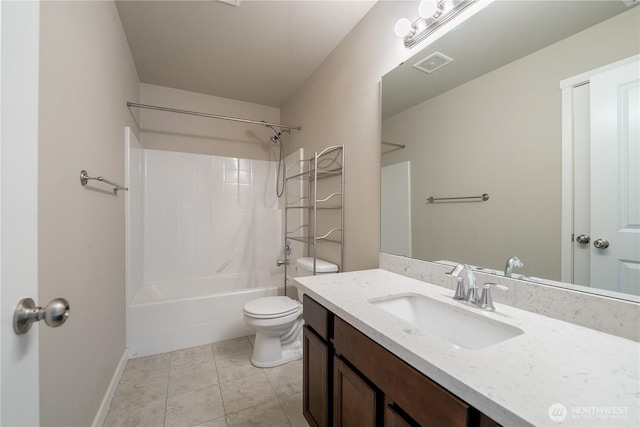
(324, 174)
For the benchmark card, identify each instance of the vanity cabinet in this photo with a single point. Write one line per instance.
(350, 380)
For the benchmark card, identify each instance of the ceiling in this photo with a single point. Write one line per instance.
(259, 51)
(499, 34)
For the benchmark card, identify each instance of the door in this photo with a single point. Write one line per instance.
(393, 417)
(395, 203)
(354, 401)
(19, 378)
(615, 179)
(315, 379)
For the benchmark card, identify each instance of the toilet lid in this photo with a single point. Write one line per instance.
(271, 307)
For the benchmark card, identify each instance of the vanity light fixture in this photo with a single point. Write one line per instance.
(429, 9)
(433, 15)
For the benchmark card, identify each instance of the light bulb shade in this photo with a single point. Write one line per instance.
(403, 27)
(427, 8)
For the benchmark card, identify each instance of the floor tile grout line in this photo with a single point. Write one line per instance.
(224, 406)
(285, 411)
(279, 399)
(192, 390)
(265, 403)
(259, 404)
(166, 397)
(250, 407)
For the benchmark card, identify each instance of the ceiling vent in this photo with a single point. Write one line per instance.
(432, 62)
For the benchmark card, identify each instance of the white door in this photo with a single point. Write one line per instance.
(395, 215)
(19, 378)
(615, 179)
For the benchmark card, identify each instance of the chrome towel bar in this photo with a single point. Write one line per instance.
(393, 144)
(482, 198)
(84, 178)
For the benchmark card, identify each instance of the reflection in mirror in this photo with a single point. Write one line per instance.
(491, 121)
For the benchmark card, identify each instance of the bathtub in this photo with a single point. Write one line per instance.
(171, 316)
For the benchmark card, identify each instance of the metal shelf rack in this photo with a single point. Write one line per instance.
(324, 174)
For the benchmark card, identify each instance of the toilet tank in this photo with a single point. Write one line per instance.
(304, 267)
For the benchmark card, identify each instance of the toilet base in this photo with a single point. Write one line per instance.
(268, 351)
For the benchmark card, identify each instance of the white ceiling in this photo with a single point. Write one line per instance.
(260, 51)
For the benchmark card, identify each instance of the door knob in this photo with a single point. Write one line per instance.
(583, 239)
(26, 313)
(601, 244)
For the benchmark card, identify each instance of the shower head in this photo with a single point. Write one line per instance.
(281, 166)
(276, 135)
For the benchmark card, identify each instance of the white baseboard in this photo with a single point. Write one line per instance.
(111, 391)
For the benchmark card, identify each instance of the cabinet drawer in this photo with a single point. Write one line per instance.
(424, 400)
(317, 317)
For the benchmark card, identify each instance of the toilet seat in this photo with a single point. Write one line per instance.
(271, 307)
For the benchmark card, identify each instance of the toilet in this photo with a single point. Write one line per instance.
(278, 322)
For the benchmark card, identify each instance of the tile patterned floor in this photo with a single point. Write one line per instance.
(208, 386)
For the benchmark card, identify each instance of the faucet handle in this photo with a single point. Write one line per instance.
(461, 294)
(486, 302)
(496, 285)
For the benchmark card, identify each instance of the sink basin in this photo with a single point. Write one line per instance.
(458, 325)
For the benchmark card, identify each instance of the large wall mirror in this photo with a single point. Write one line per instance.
(490, 121)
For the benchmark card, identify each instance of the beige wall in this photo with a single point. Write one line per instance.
(86, 76)
(179, 132)
(340, 104)
(500, 134)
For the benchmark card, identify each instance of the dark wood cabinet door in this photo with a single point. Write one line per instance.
(315, 379)
(393, 417)
(354, 401)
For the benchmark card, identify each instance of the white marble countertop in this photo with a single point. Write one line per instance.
(593, 375)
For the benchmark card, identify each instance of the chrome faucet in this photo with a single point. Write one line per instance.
(486, 302)
(469, 294)
(286, 252)
(514, 261)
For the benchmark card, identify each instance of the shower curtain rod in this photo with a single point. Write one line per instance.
(212, 116)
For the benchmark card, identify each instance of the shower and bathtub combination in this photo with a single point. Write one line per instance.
(203, 237)
(206, 252)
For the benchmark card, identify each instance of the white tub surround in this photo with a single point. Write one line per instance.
(593, 375)
(205, 216)
(204, 233)
(602, 313)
